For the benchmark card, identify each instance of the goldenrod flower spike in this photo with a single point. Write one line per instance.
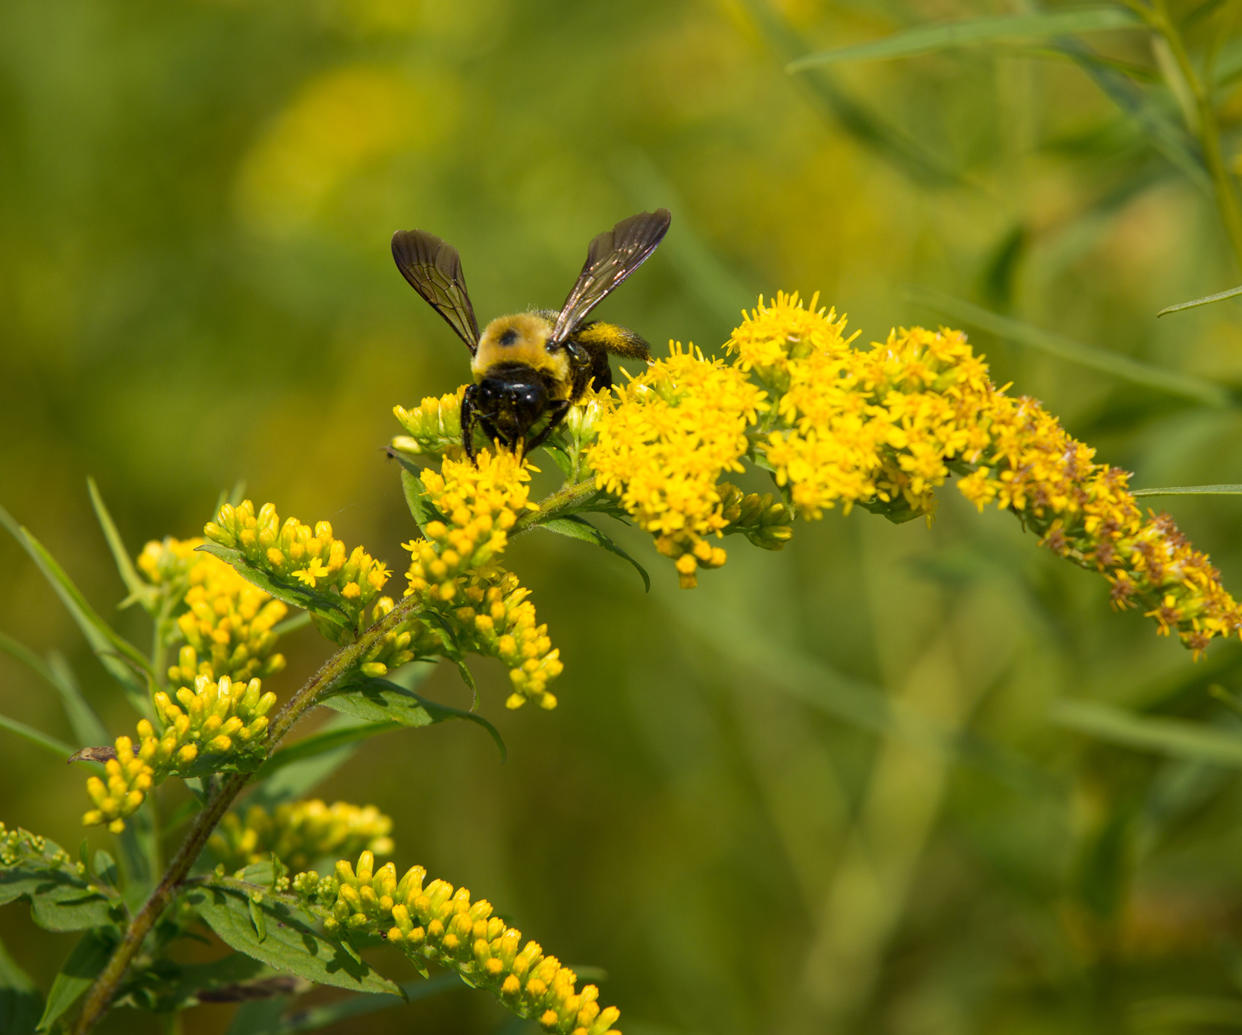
(884, 428)
(227, 625)
(299, 833)
(454, 570)
(663, 446)
(434, 427)
(301, 554)
(219, 724)
(437, 923)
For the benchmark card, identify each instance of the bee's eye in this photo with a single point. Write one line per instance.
(510, 337)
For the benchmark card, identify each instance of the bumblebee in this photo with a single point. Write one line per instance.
(531, 367)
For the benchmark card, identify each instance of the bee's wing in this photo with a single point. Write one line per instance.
(433, 269)
(611, 257)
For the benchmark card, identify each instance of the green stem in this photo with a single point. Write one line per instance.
(1208, 128)
(565, 500)
(99, 998)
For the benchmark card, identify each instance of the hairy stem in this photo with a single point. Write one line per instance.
(100, 995)
(565, 500)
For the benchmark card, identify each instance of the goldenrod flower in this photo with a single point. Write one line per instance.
(883, 428)
(300, 554)
(434, 922)
(219, 725)
(662, 447)
(785, 330)
(299, 833)
(497, 620)
(434, 427)
(227, 626)
(127, 779)
(454, 570)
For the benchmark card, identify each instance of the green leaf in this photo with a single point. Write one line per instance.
(77, 975)
(467, 677)
(137, 586)
(379, 700)
(1194, 303)
(292, 941)
(1121, 367)
(1190, 490)
(1178, 738)
(119, 657)
(974, 32)
(325, 606)
(57, 747)
(60, 899)
(104, 867)
(20, 1002)
(416, 497)
(576, 527)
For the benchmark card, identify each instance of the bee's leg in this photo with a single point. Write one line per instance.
(557, 411)
(584, 362)
(469, 417)
(601, 372)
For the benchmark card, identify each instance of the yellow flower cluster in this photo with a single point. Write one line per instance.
(477, 503)
(884, 428)
(1084, 512)
(763, 518)
(301, 554)
(780, 333)
(663, 446)
(436, 922)
(499, 621)
(403, 644)
(227, 625)
(216, 726)
(453, 569)
(127, 779)
(434, 427)
(299, 833)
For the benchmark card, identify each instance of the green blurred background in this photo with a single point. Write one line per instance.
(840, 788)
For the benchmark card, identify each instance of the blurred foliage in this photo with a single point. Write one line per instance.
(847, 787)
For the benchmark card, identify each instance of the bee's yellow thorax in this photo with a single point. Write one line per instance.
(521, 339)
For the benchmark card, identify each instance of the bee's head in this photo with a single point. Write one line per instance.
(512, 400)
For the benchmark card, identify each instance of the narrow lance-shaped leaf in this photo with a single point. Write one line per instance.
(120, 658)
(975, 32)
(1121, 367)
(379, 700)
(322, 605)
(416, 497)
(1190, 490)
(1179, 738)
(1194, 303)
(20, 1001)
(77, 975)
(290, 940)
(137, 586)
(37, 737)
(576, 527)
